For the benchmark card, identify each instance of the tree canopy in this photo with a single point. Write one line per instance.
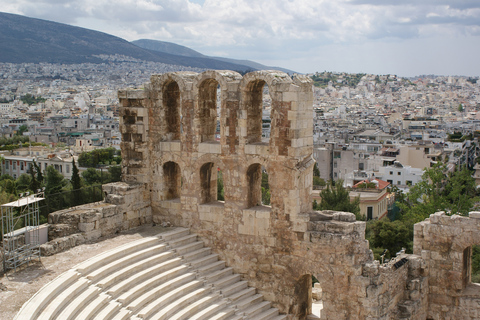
(439, 190)
(99, 156)
(336, 197)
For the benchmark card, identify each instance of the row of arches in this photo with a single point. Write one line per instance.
(214, 96)
(209, 182)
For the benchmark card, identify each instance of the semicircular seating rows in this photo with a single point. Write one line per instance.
(168, 276)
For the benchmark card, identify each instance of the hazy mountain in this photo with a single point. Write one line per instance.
(26, 39)
(172, 48)
(168, 47)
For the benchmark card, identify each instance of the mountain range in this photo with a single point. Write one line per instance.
(31, 40)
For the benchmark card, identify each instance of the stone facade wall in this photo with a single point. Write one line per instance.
(445, 243)
(277, 248)
(126, 205)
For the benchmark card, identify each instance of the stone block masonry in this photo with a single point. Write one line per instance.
(185, 129)
(125, 206)
(191, 127)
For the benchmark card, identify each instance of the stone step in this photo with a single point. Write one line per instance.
(173, 234)
(154, 300)
(180, 303)
(108, 311)
(249, 301)
(212, 311)
(115, 254)
(171, 277)
(132, 258)
(44, 296)
(190, 247)
(253, 311)
(179, 242)
(146, 275)
(122, 314)
(203, 271)
(236, 287)
(280, 317)
(194, 307)
(56, 305)
(204, 261)
(197, 254)
(78, 303)
(216, 275)
(237, 296)
(135, 268)
(269, 314)
(226, 281)
(93, 307)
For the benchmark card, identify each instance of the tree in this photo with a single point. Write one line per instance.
(54, 181)
(34, 184)
(76, 181)
(115, 173)
(54, 184)
(316, 172)
(336, 197)
(220, 189)
(21, 130)
(23, 182)
(265, 188)
(92, 176)
(76, 185)
(385, 234)
(38, 171)
(440, 191)
(437, 191)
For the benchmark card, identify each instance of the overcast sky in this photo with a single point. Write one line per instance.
(403, 37)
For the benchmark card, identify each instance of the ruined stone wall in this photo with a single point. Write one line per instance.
(445, 242)
(126, 205)
(277, 248)
(1, 260)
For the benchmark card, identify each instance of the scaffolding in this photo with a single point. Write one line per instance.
(20, 231)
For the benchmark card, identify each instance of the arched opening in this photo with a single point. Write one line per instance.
(220, 186)
(171, 102)
(208, 110)
(258, 104)
(475, 264)
(254, 179)
(317, 303)
(258, 192)
(172, 179)
(208, 183)
(303, 294)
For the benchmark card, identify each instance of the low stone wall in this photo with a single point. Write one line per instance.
(445, 244)
(126, 206)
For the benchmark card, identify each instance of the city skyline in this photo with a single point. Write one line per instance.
(369, 36)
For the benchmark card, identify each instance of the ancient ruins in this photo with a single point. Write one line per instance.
(171, 159)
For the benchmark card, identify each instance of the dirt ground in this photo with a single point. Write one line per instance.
(17, 288)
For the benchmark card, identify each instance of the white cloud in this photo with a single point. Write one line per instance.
(266, 29)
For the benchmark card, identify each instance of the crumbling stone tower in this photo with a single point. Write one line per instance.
(169, 146)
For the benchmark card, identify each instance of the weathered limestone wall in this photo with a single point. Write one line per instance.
(126, 206)
(445, 242)
(277, 247)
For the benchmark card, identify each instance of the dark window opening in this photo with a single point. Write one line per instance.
(172, 179)
(171, 102)
(208, 113)
(208, 183)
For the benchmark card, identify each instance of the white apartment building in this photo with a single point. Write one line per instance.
(401, 176)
